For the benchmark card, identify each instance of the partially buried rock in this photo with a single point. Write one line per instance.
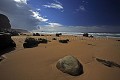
(70, 65)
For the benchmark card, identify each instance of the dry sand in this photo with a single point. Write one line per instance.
(39, 63)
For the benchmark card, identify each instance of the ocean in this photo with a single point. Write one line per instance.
(105, 35)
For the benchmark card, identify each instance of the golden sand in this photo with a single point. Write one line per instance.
(39, 63)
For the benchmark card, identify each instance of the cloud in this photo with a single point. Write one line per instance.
(38, 9)
(21, 1)
(50, 27)
(21, 14)
(81, 8)
(62, 28)
(55, 5)
(37, 16)
(54, 24)
(84, 2)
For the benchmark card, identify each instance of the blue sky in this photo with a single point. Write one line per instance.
(63, 15)
(80, 12)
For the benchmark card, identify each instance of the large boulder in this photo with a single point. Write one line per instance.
(4, 23)
(30, 43)
(6, 42)
(70, 65)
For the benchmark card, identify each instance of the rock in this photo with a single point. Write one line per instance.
(108, 63)
(85, 34)
(64, 41)
(30, 43)
(6, 42)
(36, 34)
(54, 39)
(58, 34)
(70, 65)
(91, 36)
(117, 40)
(4, 23)
(40, 40)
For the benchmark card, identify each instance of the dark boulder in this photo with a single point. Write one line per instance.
(54, 39)
(40, 40)
(85, 34)
(6, 41)
(58, 34)
(64, 41)
(30, 42)
(117, 40)
(91, 36)
(67, 40)
(36, 34)
(4, 23)
(70, 65)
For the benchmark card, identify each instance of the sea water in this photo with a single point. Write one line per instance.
(95, 34)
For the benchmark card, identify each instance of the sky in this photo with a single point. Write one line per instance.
(63, 15)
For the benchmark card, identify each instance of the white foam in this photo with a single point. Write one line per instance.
(107, 35)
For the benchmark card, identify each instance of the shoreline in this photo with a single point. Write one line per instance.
(95, 34)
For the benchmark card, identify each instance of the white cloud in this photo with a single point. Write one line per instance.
(85, 2)
(21, 1)
(50, 27)
(58, 2)
(38, 9)
(56, 5)
(81, 8)
(78, 28)
(21, 14)
(37, 16)
(53, 5)
(54, 25)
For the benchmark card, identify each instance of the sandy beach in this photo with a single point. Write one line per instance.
(39, 63)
